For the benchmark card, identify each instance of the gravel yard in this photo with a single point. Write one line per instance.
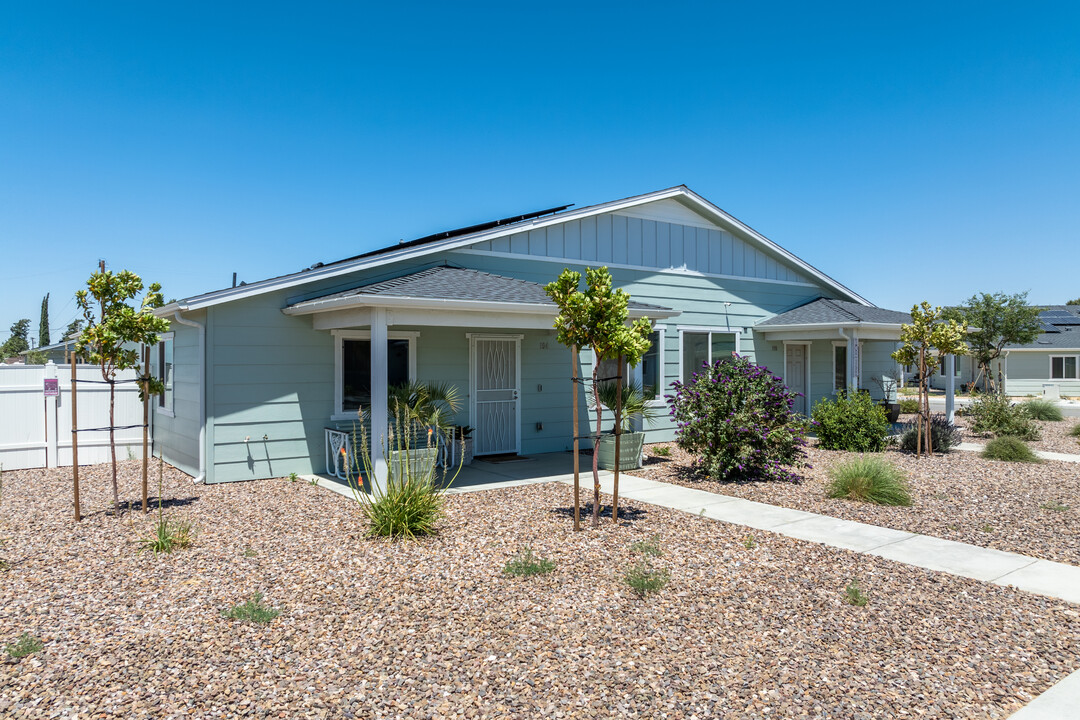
(957, 496)
(432, 629)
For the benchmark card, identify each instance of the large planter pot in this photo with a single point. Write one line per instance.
(630, 448)
(421, 462)
(892, 411)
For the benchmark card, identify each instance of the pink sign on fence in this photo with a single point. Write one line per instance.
(52, 387)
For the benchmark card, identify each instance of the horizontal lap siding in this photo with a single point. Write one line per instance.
(1027, 372)
(271, 389)
(177, 437)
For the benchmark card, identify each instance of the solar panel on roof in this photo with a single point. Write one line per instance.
(1047, 327)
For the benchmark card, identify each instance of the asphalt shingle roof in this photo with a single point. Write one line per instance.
(1063, 336)
(827, 311)
(449, 283)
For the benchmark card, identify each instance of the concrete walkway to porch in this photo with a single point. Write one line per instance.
(1042, 577)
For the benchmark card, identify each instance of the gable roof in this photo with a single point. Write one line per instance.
(441, 285)
(440, 242)
(826, 311)
(1061, 329)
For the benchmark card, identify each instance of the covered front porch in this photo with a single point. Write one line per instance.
(489, 337)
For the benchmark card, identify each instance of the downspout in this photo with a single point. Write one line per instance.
(202, 392)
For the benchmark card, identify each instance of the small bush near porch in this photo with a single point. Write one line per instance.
(738, 418)
(852, 422)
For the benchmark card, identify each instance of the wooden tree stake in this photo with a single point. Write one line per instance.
(618, 442)
(577, 464)
(145, 425)
(75, 439)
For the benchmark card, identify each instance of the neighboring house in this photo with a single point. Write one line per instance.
(1051, 364)
(58, 352)
(256, 374)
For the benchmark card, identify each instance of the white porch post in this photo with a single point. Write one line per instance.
(379, 402)
(51, 404)
(950, 387)
(853, 359)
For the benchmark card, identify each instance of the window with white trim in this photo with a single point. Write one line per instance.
(166, 369)
(651, 368)
(699, 346)
(352, 376)
(1064, 367)
(840, 369)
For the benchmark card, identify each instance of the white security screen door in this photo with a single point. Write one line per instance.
(495, 386)
(795, 374)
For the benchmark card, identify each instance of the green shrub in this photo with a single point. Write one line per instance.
(993, 413)
(1039, 409)
(663, 451)
(525, 564)
(643, 578)
(1009, 449)
(410, 505)
(738, 419)
(909, 405)
(869, 479)
(25, 645)
(851, 422)
(252, 610)
(944, 436)
(1075, 430)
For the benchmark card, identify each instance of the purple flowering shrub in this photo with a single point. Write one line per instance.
(738, 418)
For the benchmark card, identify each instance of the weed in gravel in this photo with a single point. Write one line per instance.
(1009, 449)
(749, 542)
(661, 451)
(648, 548)
(854, 595)
(1055, 506)
(1075, 430)
(525, 564)
(5, 566)
(252, 610)
(1040, 409)
(27, 644)
(940, 496)
(643, 578)
(293, 477)
(249, 552)
(168, 536)
(868, 479)
(314, 482)
(986, 528)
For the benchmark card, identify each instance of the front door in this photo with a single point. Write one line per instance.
(795, 375)
(496, 388)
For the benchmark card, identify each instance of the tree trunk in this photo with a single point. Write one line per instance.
(618, 444)
(112, 444)
(922, 393)
(596, 447)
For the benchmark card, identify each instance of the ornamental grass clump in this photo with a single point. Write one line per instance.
(1009, 449)
(738, 419)
(1040, 409)
(852, 422)
(868, 479)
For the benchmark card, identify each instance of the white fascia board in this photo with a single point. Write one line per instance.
(354, 301)
(1056, 350)
(821, 326)
(306, 276)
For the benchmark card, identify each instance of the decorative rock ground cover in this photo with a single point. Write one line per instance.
(434, 629)
(959, 496)
(1054, 435)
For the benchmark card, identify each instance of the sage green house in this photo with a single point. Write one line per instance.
(264, 377)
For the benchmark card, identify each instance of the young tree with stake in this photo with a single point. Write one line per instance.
(596, 318)
(925, 341)
(111, 325)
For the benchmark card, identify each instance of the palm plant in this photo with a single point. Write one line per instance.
(634, 402)
(425, 404)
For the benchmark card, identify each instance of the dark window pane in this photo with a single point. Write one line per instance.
(356, 370)
(840, 380)
(650, 367)
(695, 353)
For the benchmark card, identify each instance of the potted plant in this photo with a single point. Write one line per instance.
(634, 403)
(888, 385)
(420, 415)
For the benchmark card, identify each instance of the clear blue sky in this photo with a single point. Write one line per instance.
(911, 151)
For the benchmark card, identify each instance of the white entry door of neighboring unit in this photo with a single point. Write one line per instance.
(495, 389)
(795, 372)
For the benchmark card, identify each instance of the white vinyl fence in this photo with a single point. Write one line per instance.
(35, 431)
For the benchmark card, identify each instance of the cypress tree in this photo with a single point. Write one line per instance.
(43, 324)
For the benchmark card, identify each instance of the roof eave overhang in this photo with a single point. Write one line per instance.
(825, 326)
(313, 307)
